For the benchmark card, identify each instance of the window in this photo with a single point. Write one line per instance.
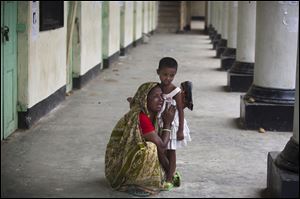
(51, 15)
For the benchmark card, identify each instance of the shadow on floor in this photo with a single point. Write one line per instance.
(264, 193)
(236, 123)
(193, 32)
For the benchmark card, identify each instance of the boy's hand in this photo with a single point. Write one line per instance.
(168, 116)
(180, 135)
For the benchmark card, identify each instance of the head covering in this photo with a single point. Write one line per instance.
(129, 159)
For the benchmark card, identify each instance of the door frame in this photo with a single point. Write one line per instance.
(7, 130)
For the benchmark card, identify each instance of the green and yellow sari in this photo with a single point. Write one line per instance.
(129, 159)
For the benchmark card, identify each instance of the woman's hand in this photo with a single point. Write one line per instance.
(168, 116)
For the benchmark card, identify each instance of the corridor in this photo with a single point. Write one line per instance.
(62, 155)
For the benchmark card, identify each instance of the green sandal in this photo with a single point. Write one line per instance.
(138, 192)
(167, 186)
(177, 179)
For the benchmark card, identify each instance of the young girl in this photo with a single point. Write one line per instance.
(172, 95)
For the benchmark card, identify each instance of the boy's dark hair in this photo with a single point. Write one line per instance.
(167, 62)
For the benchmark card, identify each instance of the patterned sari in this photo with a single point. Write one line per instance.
(129, 159)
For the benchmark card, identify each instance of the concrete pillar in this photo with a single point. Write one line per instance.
(283, 167)
(126, 30)
(219, 11)
(269, 102)
(240, 75)
(222, 43)
(213, 29)
(209, 13)
(137, 28)
(209, 17)
(111, 32)
(206, 20)
(228, 56)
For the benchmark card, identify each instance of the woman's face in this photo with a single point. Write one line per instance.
(155, 100)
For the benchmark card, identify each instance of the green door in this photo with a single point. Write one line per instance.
(8, 68)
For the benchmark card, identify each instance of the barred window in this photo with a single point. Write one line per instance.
(51, 15)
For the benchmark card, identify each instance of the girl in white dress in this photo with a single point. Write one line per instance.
(180, 133)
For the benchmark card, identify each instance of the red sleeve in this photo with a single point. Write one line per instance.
(146, 124)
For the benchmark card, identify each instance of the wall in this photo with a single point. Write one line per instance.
(91, 35)
(114, 27)
(46, 60)
(138, 25)
(128, 26)
(197, 8)
(23, 42)
(145, 16)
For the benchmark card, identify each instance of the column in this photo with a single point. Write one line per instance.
(269, 102)
(218, 17)
(240, 75)
(206, 21)
(222, 43)
(209, 17)
(283, 167)
(228, 56)
(213, 31)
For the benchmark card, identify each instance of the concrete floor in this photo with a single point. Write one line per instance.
(63, 154)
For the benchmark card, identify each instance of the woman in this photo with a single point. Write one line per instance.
(135, 159)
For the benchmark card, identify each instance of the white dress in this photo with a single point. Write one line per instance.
(174, 143)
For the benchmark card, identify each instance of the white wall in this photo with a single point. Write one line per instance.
(128, 39)
(46, 60)
(91, 35)
(198, 8)
(145, 17)
(114, 27)
(138, 30)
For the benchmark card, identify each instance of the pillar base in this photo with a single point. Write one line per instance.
(216, 39)
(228, 58)
(288, 159)
(238, 82)
(124, 51)
(82, 80)
(137, 42)
(220, 47)
(281, 183)
(211, 31)
(240, 77)
(32, 115)
(213, 35)
(270, 116)
(108, 61)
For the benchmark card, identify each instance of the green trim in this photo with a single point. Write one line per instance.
(134, 21)
(76, 44)
(122, 25)
(2, 128)
(69, 67)
(22, 107)
(23, 55)
(21, 28)
(105, 29)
